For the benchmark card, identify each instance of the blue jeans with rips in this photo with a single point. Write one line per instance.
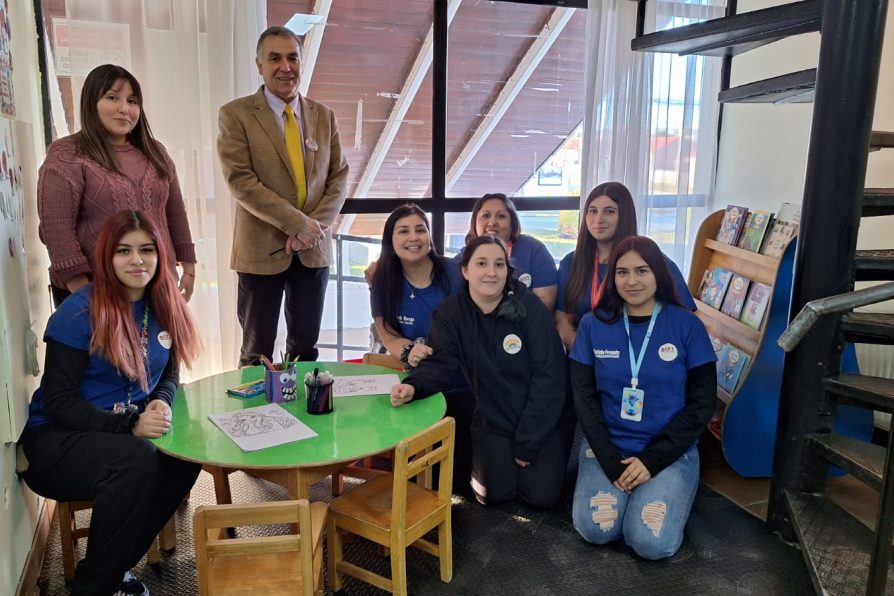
(651, 518)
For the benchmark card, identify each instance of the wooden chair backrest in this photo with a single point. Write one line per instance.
(386, 360)
(214, 517)
(416, 455)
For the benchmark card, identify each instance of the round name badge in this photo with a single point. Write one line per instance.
(512, 344)
(668, 352)
(164, 338)
(525, 278)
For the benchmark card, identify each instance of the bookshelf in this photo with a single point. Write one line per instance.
(748, 415)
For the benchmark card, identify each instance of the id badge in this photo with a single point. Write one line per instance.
(121, 407)
(632, 404)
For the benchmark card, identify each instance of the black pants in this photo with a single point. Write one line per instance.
(461, 404)
(258, 303)
(496, 478)
(134, 487)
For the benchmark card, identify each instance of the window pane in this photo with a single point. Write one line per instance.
(515, 97)
(367, 70)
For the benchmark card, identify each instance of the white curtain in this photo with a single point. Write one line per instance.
(651, 119)
(190, 61)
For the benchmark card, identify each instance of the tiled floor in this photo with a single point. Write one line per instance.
(752, 493)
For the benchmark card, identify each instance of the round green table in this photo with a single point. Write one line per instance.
(359, 426)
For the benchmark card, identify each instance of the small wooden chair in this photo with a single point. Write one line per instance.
(386, 360)
(394, 512)
(282, 564)
(70, 533)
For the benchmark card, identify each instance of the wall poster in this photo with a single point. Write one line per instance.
(7, 96)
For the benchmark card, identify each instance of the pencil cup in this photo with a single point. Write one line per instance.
(280, 385)
(319, 396)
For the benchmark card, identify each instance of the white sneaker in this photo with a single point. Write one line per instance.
(131, 585)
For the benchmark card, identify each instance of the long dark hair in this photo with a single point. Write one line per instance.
(585, 251)
(510, 307)
(388, 279)
(610, 303)
(92, 139)
(514, 222)
(116, 336)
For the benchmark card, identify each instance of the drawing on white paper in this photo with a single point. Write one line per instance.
(247, 423)
(364, 385)
(262, 426)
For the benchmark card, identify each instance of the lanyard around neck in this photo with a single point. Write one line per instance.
(144, 348)
(594, 286)
(635, 365)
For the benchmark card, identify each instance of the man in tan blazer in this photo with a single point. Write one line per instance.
(281, 246)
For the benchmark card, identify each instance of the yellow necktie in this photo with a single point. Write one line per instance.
(296, 155)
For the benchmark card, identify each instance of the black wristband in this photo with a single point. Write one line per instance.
(128, 420)
(405, 353)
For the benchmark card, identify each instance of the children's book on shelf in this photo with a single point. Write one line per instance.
(780, 234)
(730, 364)
(716, 287)
(790, 213)
(754, 230)
(735, 296)
(716, 343)
(703, 284)
(731, 225)
(756, 304)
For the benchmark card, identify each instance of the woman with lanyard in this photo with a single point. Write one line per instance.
(644, 378)
(114, 348)
(609, 217)
(495, 214)
(503, 340)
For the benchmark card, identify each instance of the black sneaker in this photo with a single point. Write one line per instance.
(131, 585)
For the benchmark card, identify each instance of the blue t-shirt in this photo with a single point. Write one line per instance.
(532, 263)
(679, 342)
(583, 305)
(416, 304)
(102, 384)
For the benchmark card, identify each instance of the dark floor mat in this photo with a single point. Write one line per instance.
(513, 550)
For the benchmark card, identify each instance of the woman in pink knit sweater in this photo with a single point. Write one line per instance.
(113, 163)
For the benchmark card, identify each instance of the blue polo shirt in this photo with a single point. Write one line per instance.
(531, 261)
(102, 384)
(583, 306)
(416, 304)
(679, 342)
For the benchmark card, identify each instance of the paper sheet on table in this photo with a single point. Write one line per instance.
(262, 426)
(364, 385)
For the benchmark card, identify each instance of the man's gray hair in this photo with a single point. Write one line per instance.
(281, 32)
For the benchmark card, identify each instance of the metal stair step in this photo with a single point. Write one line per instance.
(836, 546)
(878, 201)
(863, 391)
(868, 327)
(862, 459)
(881, 140)
(795, 87)
(874, 265)
(735, 34)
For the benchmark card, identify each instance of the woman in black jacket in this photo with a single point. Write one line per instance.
(504, 341)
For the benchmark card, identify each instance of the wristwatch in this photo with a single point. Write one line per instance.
(128, 419)
(405, 353)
